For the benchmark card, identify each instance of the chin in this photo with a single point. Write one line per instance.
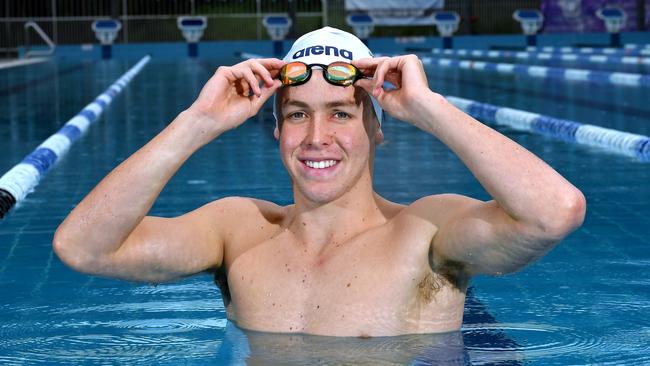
(320, 196)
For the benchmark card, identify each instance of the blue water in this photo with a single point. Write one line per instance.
(586, 302)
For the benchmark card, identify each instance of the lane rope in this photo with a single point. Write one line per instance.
(625, 143)
(545, 57)
(628, 51)
(546, 72)
(21, 180)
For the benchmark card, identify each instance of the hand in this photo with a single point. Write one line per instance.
(233, 94)
(411, 94)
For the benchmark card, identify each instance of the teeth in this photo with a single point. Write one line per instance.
(320, 164)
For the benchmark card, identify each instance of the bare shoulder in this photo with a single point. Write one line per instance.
(436, 209)
(245, 221)
(233, 206)
(241, 214)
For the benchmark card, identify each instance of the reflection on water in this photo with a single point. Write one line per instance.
(258, 348)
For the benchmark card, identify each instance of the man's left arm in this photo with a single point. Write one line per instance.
(534, 207)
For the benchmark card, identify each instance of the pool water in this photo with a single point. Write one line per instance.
(585, 302)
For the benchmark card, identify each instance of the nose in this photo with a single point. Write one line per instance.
(318, 134)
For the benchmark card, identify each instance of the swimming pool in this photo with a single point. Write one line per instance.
(586, 302)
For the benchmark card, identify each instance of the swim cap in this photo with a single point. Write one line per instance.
(327, 45)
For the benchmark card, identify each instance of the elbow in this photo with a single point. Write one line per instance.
(62, 248)
(568, 215)
(68, 253)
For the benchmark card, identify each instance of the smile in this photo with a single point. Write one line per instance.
(320, 164)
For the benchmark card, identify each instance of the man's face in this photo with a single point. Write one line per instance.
(326, 144)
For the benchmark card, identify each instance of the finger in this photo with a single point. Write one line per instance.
(382, 71)
(365, 84)
(394, 78)
(368, 66)
(271, 63)
(242, 85)
(262, 73)
(267, 91)
(252, 81)
(368, 62)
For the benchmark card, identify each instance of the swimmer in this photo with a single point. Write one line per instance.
(341, 260)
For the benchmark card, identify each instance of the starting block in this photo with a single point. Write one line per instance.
(106, 31)
(447, 23)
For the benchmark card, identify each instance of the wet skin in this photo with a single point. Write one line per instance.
(367, 272)
(340, 261)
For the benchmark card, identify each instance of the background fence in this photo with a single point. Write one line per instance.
(68, 21)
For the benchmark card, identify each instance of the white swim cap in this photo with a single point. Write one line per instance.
(327, 45)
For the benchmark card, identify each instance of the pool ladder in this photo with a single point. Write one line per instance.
(44, 37)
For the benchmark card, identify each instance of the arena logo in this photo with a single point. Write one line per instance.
(319, 50)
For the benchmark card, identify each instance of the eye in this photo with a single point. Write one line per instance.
(296, 115)
(341, 115)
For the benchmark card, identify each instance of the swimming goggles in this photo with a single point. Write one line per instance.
(337, 73)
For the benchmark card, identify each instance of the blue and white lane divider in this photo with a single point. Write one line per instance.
(636, 46)
(625, 143)
(592, 50)
(18, 182)
(548, 57)
(581, 75)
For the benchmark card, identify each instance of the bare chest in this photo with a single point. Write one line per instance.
(363, 287)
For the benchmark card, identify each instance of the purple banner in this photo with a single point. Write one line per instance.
(580, 15)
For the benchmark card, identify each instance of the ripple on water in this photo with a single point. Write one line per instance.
(539, 342)
(167, 326)
(78, 349)
(150, 340)
(208, 305)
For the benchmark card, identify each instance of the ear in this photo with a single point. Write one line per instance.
(276, 133)
(379, 136)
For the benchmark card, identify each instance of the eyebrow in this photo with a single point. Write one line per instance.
(342, 103)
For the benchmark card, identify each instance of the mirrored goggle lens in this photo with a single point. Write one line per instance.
(341, 73)
(293, 73)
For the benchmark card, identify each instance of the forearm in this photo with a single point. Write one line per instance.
(103, 220)
(529, 190)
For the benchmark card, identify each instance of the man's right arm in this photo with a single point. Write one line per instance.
(109, 234)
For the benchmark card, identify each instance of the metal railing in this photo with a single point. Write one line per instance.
(68, 21)
(29, 52)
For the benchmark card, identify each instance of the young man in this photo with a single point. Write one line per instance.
(341, 260)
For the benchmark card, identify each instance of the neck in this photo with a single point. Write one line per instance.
(317, 225)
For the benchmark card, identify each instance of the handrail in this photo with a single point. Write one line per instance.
(44, 37)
